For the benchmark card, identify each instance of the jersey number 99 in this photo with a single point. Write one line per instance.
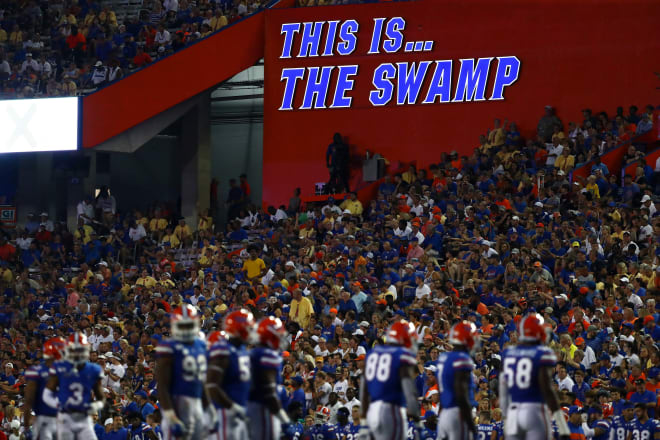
(378, 366)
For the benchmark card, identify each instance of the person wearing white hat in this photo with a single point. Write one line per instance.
(648, 204)
(29, 62)
(46, 222)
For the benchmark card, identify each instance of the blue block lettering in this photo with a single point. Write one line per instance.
(375, 35)
(382, 76)
(291, 76)
(311, 39)
(347, 33)
(289, 30)
(317, 88)
(344, 84)
(508, 69)
(330, 38)
(440, 84)
(394, 34)
(410, 82)
(471, 85)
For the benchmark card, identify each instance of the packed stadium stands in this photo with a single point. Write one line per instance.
(72, 48)
(487, 238)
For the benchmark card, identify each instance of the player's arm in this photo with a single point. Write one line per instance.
(99, 403)
(503, 395)
(462, 392)
(164, 379)
(49, 396)
(550, 397)
(150, 435)
(269, 379)
(30, 399)
(407, 374)
(364, 397)
(214, 377)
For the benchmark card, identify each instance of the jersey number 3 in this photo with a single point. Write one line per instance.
(518, 372)
(378, 366)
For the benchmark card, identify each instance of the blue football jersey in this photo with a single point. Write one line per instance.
(603, 424)
(499, 429)
(236, 381)
(381, 373)
(323, 432)
(75, 385)
(139, 433)
(619, 428)
(188, 366)
(644, 431)
(262, 359)
(293, 431)
(448, 364)
(411, 431)
(40, 374)
(349, 432)
(521, 366)
(428, 434)
(485, 431)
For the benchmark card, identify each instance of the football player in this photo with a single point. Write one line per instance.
(597, 427)
(643, 427)
(181, 373)
(137, 429)
(70, 387)
(455, 383)
(322, 430)
(389, 381)
(45, 425)
(264, 407)
(485, 429)
(621, 424)
(228, 381)
(525, 388)
(343, 427)
(294, 430)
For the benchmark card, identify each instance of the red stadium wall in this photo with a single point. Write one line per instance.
(593, 53)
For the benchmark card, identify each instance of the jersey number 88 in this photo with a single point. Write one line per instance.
(378, 366)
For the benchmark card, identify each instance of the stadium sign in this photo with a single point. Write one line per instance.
(401, 82)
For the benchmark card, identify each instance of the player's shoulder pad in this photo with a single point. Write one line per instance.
(33, 373)
(166, 347)
(219, 348)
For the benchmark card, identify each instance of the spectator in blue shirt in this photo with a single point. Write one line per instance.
(642, 395)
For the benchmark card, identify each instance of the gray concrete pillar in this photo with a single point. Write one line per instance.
(195, 154)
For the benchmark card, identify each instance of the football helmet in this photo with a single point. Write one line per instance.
(465, 333)
(401, 333)
(240, 324)
(54, 348)
(271, 333)
(184, 323)
(77, 348)
(532, 328)
(322, 415)
(215, 337)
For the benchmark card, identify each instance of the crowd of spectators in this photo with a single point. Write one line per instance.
(58, 48)
(482, 238)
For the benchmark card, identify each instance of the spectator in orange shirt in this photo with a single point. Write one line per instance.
(141, 58)
(77, 44)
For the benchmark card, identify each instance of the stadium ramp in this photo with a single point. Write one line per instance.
(124, 115)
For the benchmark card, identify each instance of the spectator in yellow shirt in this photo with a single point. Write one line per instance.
(254, 267)
(205, 221)
(353, 205)
(170, 238)
(183, 233)
(497, 136)
(301, 309)
(592, 187)
(218, 21)
(145, 280)
(157, 225)
(16, 36)
(84, 232)
(3, 36)
(565, 162)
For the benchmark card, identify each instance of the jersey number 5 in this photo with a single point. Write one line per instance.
(378, 366)
(518, 372)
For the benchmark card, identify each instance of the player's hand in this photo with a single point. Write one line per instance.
(238, 411)
(177, 427)
(363, 432)
(96, 406)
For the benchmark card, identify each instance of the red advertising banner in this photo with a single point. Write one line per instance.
(410, 80)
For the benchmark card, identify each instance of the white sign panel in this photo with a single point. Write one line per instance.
(32, 125)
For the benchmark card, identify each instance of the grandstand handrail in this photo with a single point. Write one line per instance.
(613, 156)
(649, 158)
